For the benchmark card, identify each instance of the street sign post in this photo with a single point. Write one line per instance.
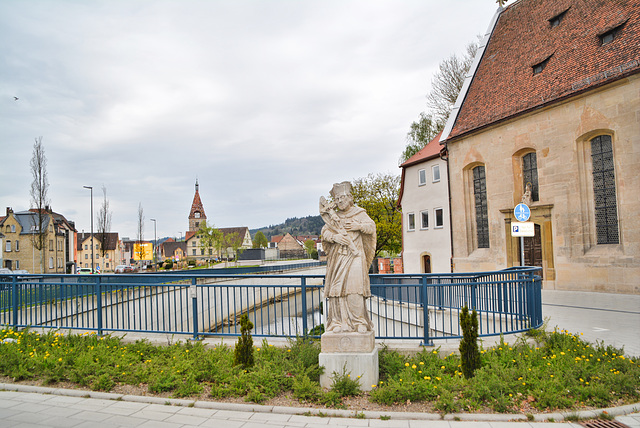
(523, 229)
(522, 214)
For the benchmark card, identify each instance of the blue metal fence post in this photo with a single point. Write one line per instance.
(99, 303)
(474, 294)
(303, 287)
(426, 339)
(194, 300)
(14, 300)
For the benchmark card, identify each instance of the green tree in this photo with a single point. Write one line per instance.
(309, 246)
(378, 195)
(259, 240)
(422, 131)
(232, 243)
(210, 237)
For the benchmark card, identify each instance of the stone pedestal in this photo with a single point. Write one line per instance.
(353, 353)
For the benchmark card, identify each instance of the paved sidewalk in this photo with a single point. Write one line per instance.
(72, 408)
(611, 318)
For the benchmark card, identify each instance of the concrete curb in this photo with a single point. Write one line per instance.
(259, 408)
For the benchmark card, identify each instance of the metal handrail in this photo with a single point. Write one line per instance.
(402, 306)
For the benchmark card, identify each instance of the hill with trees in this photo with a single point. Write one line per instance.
(310, 225)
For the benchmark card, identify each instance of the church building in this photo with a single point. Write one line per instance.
(233, 238)
(550, 114)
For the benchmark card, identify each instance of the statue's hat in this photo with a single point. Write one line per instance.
(343, 188)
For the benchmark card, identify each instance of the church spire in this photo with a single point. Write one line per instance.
(196, 215)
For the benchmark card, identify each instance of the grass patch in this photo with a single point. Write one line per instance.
(560, 372)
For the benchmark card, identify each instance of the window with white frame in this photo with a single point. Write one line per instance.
(439, 217)
(7, 246)
(50, 262)
(411, 222)
(422, 177)
(435, 173)
(424, 220)
(17, 245)
(13, 228)
(17, 264)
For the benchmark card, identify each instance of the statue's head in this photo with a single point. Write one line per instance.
(341, 193)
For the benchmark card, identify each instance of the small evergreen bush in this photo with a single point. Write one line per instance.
(244, 348)
(469, 352)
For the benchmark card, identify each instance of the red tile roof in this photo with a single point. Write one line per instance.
(504, 84)
(196, 206)
(430, 151)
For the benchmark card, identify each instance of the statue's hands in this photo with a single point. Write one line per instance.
(352, 225)
(341, 239)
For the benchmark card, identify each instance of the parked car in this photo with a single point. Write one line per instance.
(123, 269)
(84, 271)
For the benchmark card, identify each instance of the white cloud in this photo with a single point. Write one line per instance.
(267, 103)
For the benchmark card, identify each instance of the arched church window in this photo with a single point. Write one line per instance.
(530, 174)
(604, 190)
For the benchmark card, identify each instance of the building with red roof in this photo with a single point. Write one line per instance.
(549, 115)
(424, 200)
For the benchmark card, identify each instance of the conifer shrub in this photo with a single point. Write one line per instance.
(244, 348)
(469, 352)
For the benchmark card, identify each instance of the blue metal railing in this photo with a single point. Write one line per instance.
(424, 307)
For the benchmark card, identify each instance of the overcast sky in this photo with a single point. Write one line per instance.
(266, 103)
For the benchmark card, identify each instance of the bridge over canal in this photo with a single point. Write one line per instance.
(207, 303)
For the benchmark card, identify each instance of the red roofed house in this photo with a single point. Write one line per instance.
(424, 199)
(553, 101)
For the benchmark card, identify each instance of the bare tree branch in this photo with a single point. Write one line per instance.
(104, 223)
(39, 199)
(447, 83)
(140, 234)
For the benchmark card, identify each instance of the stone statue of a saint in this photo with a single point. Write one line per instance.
(349, 239)
(526, 197)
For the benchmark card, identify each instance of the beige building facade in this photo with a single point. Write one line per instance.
(564, 213)
(19, 251)
(105, 262)
(552, 119)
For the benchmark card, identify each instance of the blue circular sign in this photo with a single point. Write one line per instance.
(522, 212)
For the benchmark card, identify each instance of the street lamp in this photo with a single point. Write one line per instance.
(92, 246)
(155, 242)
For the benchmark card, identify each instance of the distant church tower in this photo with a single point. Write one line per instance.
(197, 215)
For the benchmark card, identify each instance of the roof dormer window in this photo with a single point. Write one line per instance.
(537, 68)
(609, 35)
(556, 20)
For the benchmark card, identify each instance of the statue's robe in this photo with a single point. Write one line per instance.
(347, 280)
